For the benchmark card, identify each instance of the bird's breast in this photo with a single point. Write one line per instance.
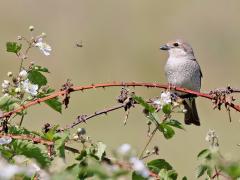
(183, 73)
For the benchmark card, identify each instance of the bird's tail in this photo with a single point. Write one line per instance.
(191, 116)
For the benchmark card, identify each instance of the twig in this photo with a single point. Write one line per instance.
(29, 138)
(84, 118)
(116, 84)
(21, 121)
(148, 142)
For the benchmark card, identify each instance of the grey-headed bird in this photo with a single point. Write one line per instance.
(183, 70)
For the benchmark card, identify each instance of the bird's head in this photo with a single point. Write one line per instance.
(178, 48)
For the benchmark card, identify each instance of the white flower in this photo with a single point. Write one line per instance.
(5, 140)
(23, 74)
(8, 171)
(5, 84)
(44, 47)
(30, 88)
(139, 167)
(166, 97)
(124, 149)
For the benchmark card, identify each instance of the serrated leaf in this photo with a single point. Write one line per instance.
(13, 47)
(55, 104)
(23, 147)
(201, 169)
(167, 131)
(17, 130)
(6, 152)
(167, 108)
(8, 103)
(204, 153)
(158, 164)
(59, 141)
(101, 147)
(35, 77)
(175, 123)
(147, 106)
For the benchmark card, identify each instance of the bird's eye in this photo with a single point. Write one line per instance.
(175, 44)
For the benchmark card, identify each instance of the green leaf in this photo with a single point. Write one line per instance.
(167, 108)
(206, 153)
(50, 134)
(201, 170)
(13, 47)
(153, 117)
(147, 106)
(101, 147)
(40, 68)
(8, 103)
(174, 123)
(60, 140)
(23, 147)
(232, 169)
(17, 130)
(136, 176)
(55, 104)
(83, 154)
(209, 171)
(35, 77)
(50, 90)
(184, 178)
(168, 174)
(158, 164)
(6, 152)
(167, 131)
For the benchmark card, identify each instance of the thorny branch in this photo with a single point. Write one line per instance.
(37, 140)
(213, 95)
(29, 138)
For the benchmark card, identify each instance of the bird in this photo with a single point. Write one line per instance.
(183, 70)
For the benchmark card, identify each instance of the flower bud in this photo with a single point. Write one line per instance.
(81, 131)
(9, 74)
(17, 90)
(19, 38)
(43, 34)
(31, 28)
(75, 137)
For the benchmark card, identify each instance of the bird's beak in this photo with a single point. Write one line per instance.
(164, 47)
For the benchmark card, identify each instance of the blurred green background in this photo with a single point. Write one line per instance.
(121, 42)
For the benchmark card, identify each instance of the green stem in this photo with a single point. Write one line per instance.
(148, 142)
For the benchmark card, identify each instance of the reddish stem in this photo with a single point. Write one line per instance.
(113, 84)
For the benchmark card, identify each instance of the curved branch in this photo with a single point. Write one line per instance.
(117, 84)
